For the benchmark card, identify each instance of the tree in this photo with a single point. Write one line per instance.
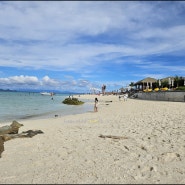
(176, 81)
(164, 83)
(131, 84)
(181, 81)
(103, 89)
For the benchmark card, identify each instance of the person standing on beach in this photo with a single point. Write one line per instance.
(96, 105)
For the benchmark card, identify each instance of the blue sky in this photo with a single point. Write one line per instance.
(79, 45)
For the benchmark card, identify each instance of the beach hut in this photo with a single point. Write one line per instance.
(146, 83)
(169, 80)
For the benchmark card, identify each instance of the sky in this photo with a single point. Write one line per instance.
(79, 45)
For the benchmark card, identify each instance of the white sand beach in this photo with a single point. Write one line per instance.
(151, 148)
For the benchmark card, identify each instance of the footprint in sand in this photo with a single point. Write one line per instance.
(170, 156)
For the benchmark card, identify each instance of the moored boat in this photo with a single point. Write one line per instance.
(47, 93)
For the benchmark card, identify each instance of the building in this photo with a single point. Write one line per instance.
(146, 83)
(151, 83)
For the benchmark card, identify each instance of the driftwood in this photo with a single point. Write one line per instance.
(12, 129)
(29, 133)
(11, 132)
(113, 137)
(1, 145)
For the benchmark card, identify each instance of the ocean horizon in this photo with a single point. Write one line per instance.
(32, 105)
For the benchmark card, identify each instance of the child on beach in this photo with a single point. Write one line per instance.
(96, 105)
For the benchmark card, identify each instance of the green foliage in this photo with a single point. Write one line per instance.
(131, 84)
(155, 85)
(72, 101)
(164, 84)
(181, 88)
(178, 81)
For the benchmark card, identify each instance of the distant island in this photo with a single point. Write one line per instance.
(7, 90)
(38, 91)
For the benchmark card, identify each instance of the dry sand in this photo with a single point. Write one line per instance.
(151, 150)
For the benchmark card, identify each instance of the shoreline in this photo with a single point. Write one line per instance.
(51, 114)
(150, 149)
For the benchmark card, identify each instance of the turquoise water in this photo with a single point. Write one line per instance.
(25, 105)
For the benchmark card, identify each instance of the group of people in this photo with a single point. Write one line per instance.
(125, 96)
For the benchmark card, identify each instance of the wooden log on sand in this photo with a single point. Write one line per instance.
(113, 137)
(10, 132)
(1, 145)
(12, 129)
(29, 133)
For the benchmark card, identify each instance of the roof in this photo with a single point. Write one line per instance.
(167, 78)
(148, 79)
(145, 80)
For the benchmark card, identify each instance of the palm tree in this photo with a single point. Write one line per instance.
(131, 84)
(176, 80)
(103, 89)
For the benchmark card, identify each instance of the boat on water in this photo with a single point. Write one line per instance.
(47, 93)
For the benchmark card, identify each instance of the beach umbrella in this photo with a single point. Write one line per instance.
(159, 83)
(169, 81)
(151, 85)
(172, 82)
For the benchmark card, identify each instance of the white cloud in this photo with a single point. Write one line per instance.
(55, 20)
(46, 81)
(20, 80)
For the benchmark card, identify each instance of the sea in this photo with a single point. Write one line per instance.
(32, 105)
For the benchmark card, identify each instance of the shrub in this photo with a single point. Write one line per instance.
(73, 101)
(181, 88)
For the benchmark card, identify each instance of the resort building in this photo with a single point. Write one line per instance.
(146, 83)
(151, 83)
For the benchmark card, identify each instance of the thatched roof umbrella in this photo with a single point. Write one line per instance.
(146, 81)
(167, 78)
(170, 80)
